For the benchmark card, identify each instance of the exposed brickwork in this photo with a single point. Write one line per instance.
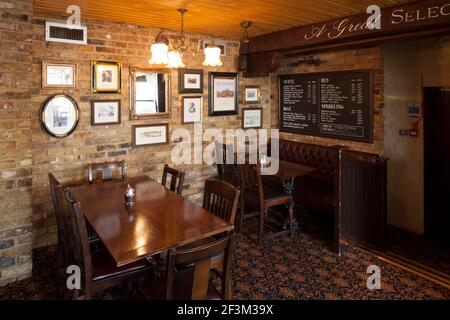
(28, 154)
(68, 157)
(16, 89)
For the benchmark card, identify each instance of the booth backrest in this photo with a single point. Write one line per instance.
(325, 159)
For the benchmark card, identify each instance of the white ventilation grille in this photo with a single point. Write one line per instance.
(61, 32)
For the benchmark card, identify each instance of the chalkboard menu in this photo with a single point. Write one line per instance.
(332, 104)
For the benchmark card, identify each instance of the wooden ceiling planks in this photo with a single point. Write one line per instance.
(215, 17)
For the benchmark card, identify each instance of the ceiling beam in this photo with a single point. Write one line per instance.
(402, 19)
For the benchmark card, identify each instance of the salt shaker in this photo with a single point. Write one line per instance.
(130, 196)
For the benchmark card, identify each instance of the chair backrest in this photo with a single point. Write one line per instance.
(61, 212)
(200, 257)
(250, 179)
(106, 169)
(221, 199)
(81, 248)
(176, 179)
(226, 166)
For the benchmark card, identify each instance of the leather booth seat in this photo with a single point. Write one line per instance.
(315, 191)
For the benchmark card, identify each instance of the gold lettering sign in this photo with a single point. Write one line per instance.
(400, 16)
(344, 27)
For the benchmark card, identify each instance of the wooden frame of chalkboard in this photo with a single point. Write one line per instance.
(315, 129)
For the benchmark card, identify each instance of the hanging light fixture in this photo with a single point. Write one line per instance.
(159, 50)
(212, 56)
(246, 24)
(176, 56)
(175, 60)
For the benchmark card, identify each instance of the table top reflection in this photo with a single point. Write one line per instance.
(160, 219)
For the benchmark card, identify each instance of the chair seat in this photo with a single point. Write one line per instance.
(216, 261)
(104, 266)
(182, 288)
(271, 196)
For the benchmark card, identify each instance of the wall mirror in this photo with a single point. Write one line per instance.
(150, 93)
(59, 116)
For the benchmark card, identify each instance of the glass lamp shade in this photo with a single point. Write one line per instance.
(159, 53)
(212, 57)
(175, 60)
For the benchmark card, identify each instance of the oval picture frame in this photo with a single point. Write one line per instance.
(59, 115)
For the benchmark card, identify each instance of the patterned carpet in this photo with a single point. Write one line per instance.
(305, 268)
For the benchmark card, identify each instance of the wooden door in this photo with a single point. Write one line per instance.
(437, 163)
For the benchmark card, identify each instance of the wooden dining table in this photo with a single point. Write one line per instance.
(159, 220)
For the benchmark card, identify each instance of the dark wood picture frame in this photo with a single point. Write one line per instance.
(93, 123)
(97, 63)
(183, 113)
(134, 127)
(182, 73)
(261, 110)
(228, 75)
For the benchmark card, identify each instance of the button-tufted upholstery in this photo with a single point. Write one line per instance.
(325, 159)
(316, 190)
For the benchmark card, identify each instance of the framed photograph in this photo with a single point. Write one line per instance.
(192, 109)
(150, 134)
(190, 81)
(59, 116)
(251, 94)
(223, 94)
(105, 112)
(58, 75)
(221, 44)
(106, 77)
(252, 118)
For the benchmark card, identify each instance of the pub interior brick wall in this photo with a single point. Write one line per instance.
(16, 159)
(27, 154)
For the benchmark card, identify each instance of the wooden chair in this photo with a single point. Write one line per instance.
(63, 224)
(193, 283)
(176, 179)
(226, 166)
(106, 169)
(99, 270)
(264, 197)
(65, 243)
(221, 198)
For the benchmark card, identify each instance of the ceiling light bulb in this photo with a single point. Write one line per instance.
(212, 57)
(159, 53)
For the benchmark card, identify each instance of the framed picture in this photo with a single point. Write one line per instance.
(192, 109)
(59, 116)
(252, 118)
(106, 77)
(251, 94)
(223, 94)
(58, 75)
(105, 112)
(190, 81)
(150, 134)
(221, 44)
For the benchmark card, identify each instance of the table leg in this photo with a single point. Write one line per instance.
(288, 186)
